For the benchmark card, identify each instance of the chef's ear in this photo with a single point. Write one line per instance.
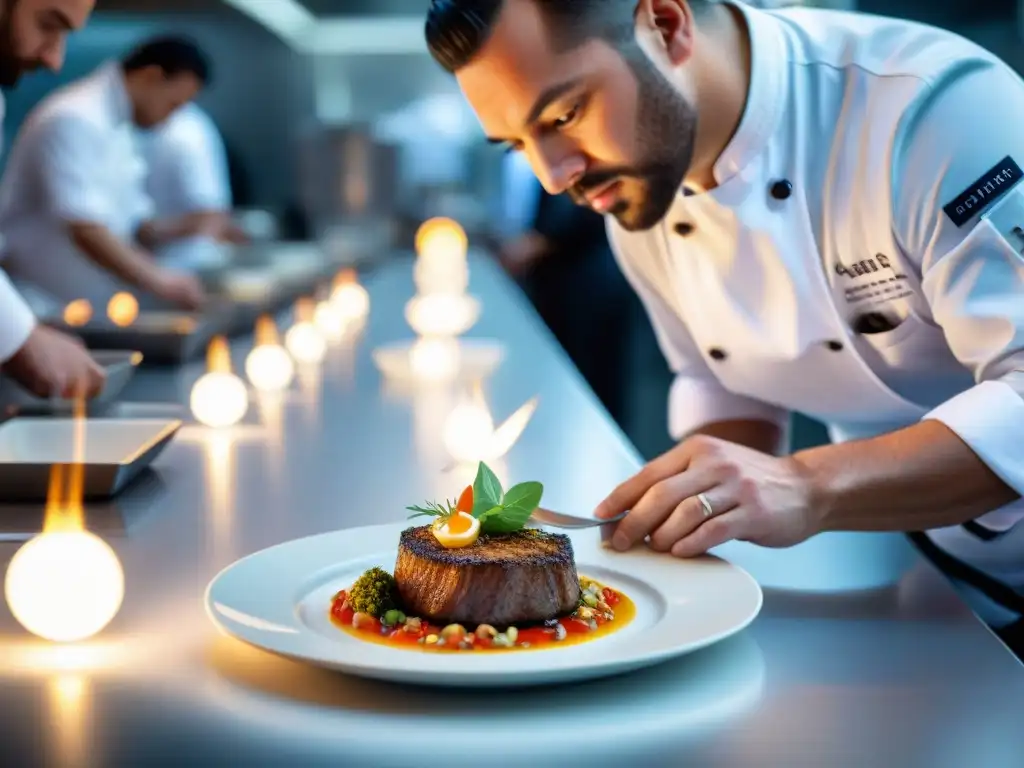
(669, 24)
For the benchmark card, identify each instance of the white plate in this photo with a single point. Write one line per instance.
(279, 600)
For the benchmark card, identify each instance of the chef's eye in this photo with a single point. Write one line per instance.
(568, 118)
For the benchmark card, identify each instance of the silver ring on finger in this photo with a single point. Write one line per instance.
(709, 511)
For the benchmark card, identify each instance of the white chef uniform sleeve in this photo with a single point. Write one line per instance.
(956, 163)
(71, 152)
(16, 319)
(697, 398)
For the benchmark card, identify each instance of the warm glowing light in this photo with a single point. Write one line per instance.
(469, 434)
(441, 235)
(468, 431)
(65, 586)
(218, 355)
(434, 359)
(78, 313)
(266, 331)
(329, 321)
(352, 301)
(442, 314)
(122, 309)
(305, 343)
(269, 366)
(305, 310)
(441, 265)
(344, 277)
(219, 398)
(509, 431)
(440, 274)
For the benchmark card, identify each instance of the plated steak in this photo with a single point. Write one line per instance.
(510, 579)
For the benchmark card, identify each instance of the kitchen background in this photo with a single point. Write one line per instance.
(311, 93)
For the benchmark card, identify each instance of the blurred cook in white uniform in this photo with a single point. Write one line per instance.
(838, 234)
(32, 36)
(73, 207)
(187, 175)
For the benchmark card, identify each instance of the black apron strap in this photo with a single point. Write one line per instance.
(995, 590)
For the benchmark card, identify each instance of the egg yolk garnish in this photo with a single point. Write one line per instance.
(458, 530)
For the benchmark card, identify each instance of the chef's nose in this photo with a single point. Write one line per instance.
(558, 172)
(52, 56)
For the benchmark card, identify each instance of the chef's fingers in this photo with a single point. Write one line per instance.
(629, 493)
(713, 533)
(689, 514)
(657, 504)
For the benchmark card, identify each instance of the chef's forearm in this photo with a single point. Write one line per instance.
(763, 436)
(914, 479)
(111, 253)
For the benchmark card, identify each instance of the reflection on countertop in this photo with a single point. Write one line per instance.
(671, 704)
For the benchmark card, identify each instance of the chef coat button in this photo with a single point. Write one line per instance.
(717, 354)
(835, 346)
(782, 189)
(684, 228)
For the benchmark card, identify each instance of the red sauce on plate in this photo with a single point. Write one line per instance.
(613, 611)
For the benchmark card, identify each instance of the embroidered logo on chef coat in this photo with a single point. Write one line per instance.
(984, 191)
(874, 281)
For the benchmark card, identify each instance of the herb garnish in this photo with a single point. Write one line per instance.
(498, 511)
(432, 509)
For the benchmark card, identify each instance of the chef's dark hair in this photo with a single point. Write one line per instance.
(174, 55)
(456, 30)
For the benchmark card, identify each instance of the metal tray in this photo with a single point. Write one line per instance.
(119, 365)
(162, 337)
(115, 452)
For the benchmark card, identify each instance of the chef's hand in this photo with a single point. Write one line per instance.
(180, 288)
(755, 497)
(53, 364)
(216, 225)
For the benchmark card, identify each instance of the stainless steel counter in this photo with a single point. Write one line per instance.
(862, 656)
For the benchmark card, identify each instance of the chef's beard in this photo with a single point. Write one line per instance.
(666, 124)
(11, 68)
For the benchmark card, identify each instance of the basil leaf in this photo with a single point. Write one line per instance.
(524, 496)
(486, 490)
(490, 514)
(510, 520)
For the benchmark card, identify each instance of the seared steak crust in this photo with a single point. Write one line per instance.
(511, 579)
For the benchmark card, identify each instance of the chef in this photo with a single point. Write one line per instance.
(187, 176)
(72, 202)
(32, 35)
(822, 212)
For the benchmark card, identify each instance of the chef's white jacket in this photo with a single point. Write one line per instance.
(16, 318)
(858, 261)
(187, 167)
(187, 172)
(74, 159)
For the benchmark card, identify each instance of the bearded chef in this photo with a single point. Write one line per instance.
(822, 214)
(73, 207)
(33, 35)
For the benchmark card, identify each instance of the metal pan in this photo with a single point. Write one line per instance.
(114, 453)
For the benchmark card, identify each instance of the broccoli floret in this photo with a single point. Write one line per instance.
(374, 593)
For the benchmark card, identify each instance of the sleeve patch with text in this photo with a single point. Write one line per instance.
(984, 191)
